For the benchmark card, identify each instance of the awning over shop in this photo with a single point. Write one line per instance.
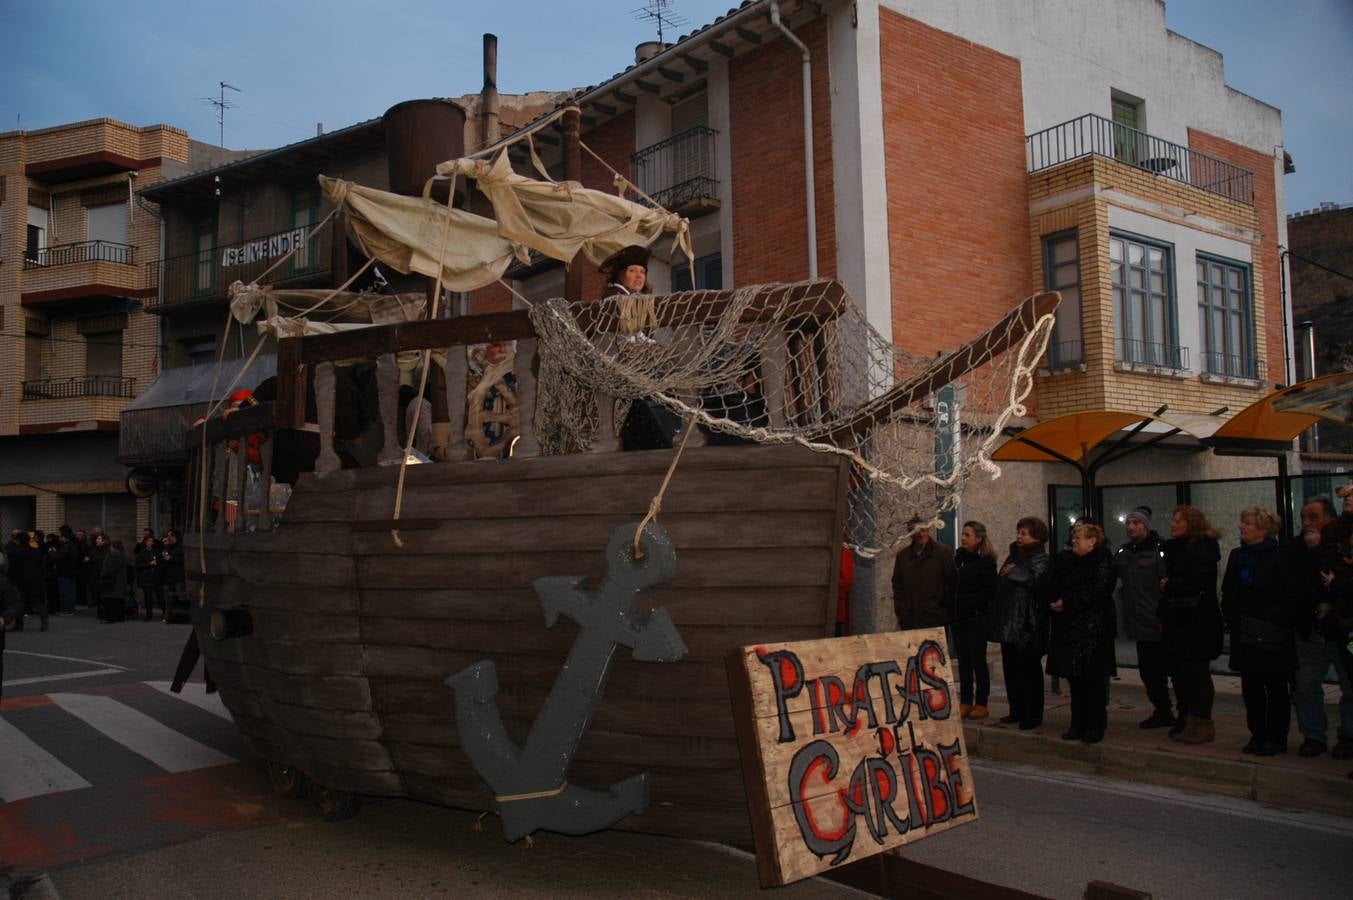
(154, 426)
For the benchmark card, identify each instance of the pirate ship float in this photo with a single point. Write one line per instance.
(386, 633)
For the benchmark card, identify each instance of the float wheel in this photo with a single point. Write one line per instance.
(479, 411)
(286, 780)
(334, 805)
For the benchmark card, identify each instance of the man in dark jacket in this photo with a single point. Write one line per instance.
(25, 573)
(923, 581)
(64, 562)
(11, 611)
(1318, 637)
(1140, 566)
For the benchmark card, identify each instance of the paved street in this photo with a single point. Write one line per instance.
(119, 789)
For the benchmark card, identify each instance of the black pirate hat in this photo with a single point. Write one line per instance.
(617, 262)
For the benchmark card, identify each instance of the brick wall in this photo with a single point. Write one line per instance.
(957, 186)
(613, 141)
(1100, 385)
(770, 239)
(1266, 271)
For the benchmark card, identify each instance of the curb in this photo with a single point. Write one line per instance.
(1273, 785)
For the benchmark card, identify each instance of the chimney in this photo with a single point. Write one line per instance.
(319, 129)
(488, 106)
(647, 50)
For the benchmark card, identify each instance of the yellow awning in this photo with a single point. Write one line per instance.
(1069, 437)
(1281, 416)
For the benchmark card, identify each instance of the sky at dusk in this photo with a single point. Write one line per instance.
(340, 61)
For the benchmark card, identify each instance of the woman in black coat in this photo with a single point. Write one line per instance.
(112, 580)
(1190, 619)
(1018, 620)
(1260, 615)
(147, 565)
(975, 562)
(1081, 646)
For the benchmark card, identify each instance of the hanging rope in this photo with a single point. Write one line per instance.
(656, 503)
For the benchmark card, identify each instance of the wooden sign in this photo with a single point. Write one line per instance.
(850, 746)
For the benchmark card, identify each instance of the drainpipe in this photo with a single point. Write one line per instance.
(161, 349)
(809, 184)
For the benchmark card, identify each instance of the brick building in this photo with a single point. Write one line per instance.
(1321, 276)
(74, 344)
(964, 155)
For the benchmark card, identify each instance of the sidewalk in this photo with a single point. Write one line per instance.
(1321, 784)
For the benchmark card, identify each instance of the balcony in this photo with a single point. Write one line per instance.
(74, 277)
(203, 277)
(680, 172)
(82, 386)
(1065, 355)
(84, 251)
(1096, 135)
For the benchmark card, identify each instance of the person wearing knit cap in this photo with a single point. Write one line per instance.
(1140, 564)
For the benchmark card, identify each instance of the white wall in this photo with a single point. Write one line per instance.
(1073, 52)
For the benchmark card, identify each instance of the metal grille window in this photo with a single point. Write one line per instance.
(1143, 302)
(1062, 272)
(103, 354)
(304, 214)
(1225, 318)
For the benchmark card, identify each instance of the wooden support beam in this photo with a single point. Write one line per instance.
(457, 375)
(605, 109)
(573, 171)
(647, 86)
(527, 366)
(325, 379)
(696, 63)
(387, 398)
(748, 35)
(624, 97)
(671, 74)
(722, 49)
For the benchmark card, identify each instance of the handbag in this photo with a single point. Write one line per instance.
(1262, 634)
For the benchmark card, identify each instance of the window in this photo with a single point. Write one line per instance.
(204, 273)
(1062, 272)
(304, 215)
(103, 357)
(201, 351)
(108, 226)
(1143, 302)
(37, 234)
(1225, 319)
(32, 357)
(1128, 138)
(708, 274)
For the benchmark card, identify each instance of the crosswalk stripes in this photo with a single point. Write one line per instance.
(139, 733)
(28, 770)
(196, 694)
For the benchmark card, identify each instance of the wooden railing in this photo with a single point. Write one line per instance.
(229, 473)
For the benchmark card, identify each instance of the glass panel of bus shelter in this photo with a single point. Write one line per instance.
(1313, 484)
(1067, 504)
(1121, 499)
(1222, 502)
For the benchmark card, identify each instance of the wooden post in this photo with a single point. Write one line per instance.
(573, 171)
(289, 407)
(457, 375)
(605, 440)
(328, 460)
(265, 483)
(242, 489)
(774, 369)
(526, 369)
(387, 396)
(222, 485)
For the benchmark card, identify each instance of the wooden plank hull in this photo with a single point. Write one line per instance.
(354, 636)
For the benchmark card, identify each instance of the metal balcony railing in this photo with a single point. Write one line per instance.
(679, 170)
(208, 273)
(80, 386)
(1232, 365)
(1146, 353)
(1064, 354)
(83, 251)
(1092, 134)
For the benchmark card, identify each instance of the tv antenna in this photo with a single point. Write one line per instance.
(660, 13)
(222, 104)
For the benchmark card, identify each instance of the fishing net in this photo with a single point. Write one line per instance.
(794, 364)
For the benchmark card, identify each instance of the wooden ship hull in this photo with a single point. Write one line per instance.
(342, 675)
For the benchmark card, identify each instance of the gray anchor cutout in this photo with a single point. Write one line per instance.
(530, 781)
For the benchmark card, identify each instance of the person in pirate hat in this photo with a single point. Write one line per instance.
(627, 271)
